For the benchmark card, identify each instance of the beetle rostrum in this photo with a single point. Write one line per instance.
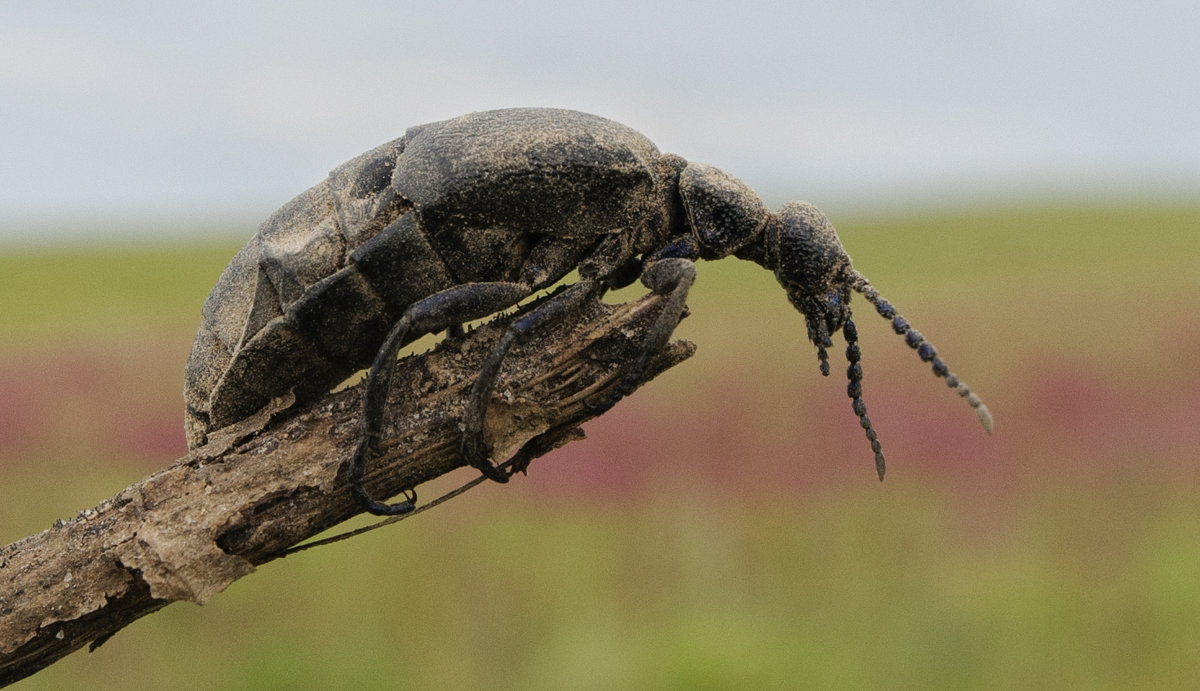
(460, 219)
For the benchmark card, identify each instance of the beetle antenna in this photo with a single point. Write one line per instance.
(924, 348)
(854, 389)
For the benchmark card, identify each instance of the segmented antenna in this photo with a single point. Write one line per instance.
(854, 389)
(923, 347)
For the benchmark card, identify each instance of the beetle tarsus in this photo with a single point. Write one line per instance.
(354, 474)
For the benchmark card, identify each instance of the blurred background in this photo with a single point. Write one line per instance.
(1021, 179)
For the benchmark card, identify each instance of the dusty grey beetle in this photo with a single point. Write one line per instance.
(460, 219)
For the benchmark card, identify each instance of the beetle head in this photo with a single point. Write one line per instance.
(815, 270)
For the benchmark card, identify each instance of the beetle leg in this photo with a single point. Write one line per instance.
(624, 275)
(671, 277)
(461, 303)
(474, 446)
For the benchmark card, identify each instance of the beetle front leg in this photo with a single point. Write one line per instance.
(671, 277)
(474, 446)
(461, 303)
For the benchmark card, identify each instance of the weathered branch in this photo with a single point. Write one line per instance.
(260, 487)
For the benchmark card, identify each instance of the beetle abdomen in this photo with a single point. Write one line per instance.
(250, 343)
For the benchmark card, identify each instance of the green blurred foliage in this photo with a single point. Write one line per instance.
(722, 528)
(53, 293)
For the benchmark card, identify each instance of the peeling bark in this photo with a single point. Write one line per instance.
(268, 483)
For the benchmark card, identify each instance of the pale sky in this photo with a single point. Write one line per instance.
(136, 109)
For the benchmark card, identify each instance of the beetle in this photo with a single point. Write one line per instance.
(459, 219)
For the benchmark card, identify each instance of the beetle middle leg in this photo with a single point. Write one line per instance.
(461, 303)
(474, 446)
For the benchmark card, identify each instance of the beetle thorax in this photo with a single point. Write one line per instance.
(725, 215)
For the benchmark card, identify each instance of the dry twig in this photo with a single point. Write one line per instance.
(262, 486)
